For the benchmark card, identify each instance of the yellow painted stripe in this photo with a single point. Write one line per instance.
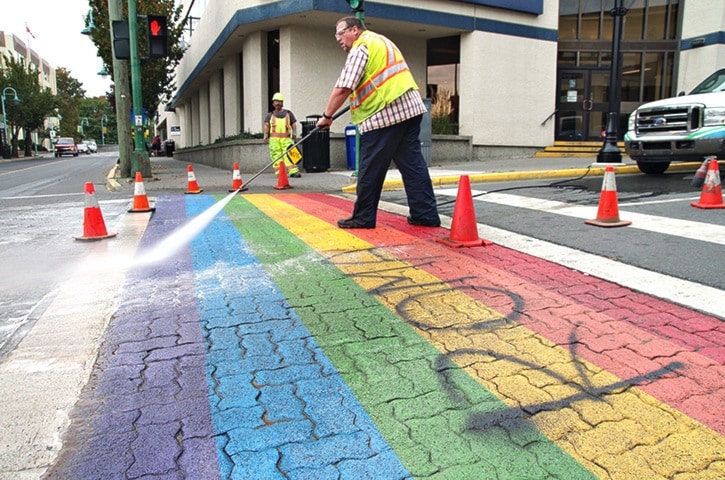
(612, 429)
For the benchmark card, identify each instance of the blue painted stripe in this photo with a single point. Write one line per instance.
(279, 407)
(145, 402)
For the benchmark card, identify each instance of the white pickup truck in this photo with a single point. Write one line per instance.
(684, 128)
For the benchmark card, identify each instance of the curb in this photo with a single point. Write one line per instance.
(598, 170)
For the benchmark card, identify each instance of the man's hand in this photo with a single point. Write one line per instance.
(324, 123)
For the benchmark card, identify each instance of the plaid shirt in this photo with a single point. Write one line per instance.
(406, 106)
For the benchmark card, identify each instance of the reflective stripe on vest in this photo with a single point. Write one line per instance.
(279, 129)
(389, 77)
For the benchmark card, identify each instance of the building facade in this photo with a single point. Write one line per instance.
(12, 46)
(519, 74)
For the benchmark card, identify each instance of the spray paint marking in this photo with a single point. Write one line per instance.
(627, 333)
(516, 375)
(278, 405)
(427, 408)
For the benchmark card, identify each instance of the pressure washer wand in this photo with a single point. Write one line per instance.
(314, 130)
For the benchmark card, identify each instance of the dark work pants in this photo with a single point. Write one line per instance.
(399, 143)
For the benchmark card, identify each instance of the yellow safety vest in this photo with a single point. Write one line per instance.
(278, 128)
(386, 77)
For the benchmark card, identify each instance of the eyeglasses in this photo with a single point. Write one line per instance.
(339, 33)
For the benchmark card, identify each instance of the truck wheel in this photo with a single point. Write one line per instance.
(653, 168)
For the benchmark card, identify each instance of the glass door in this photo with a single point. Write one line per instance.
(581, 104)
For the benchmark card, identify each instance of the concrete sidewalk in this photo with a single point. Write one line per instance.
(171, 175)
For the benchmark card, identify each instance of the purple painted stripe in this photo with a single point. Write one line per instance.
(145, 410)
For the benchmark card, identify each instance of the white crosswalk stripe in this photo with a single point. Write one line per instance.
(683, 292)
(652, 223)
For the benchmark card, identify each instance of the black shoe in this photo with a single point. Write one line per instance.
(296, 175)
(421, 223)
(352, 223)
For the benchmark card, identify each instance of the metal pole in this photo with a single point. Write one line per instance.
(84, 121)
(123, 97)
(5, 117)
(140, 156)
(609, 153)
(5, 124)
(103, 135)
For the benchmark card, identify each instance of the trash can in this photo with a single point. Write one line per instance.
(316, 149)
(6, 151)
(351, 146)
(169, 147)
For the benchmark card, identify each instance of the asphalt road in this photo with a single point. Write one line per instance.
(687, 242)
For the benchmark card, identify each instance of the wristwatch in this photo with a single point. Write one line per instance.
(324, 115)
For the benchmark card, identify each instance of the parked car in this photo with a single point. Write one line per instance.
(65, 146)
(83, 148)
(92, 147)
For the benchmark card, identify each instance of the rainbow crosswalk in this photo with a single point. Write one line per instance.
(280, 346)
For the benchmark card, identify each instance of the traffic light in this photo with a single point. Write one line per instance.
(357, 5)
(121, 43)
(158, 39)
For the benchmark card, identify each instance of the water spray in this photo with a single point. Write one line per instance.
(181, 237)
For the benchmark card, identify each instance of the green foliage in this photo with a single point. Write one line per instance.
(157, 76)
(34, 104)
(246, 135)
(442, 114)
(70, 96)
(444, 126)
(93, 109)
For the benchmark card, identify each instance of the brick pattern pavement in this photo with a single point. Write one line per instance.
(279, 346)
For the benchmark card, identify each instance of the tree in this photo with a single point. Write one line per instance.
(93, 109)
(157, 76)
(71, 94)
(35, 103)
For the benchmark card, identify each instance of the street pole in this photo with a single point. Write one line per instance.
(609, 153)
(84, 121)
(5, 117)
(140, 157)
(123, 96)
(103, 135)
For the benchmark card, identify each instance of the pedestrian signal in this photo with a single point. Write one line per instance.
(157, 35)
(121, 42)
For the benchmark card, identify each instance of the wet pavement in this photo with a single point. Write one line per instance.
(276, 345)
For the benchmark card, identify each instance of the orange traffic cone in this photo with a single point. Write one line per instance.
(140, 200)
(464, 228)
(237, 184)
(193, 187)
(711, 196)
(282, 180)
(94, 228)
(608, 212)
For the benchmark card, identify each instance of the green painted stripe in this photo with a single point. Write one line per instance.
(441, 422)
